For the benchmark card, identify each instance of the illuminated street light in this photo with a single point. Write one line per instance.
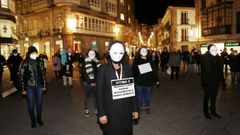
(26, 39)
(71, 24)
(116, 30)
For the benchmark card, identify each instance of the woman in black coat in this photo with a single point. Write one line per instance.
(115, 114)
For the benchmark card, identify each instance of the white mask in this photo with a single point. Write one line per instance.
(116, 52)
(213, 50)
(91, 54)
(15, 54)
(143, 52)
(69, 53)
(33, 56)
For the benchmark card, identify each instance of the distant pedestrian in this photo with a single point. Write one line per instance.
(235, 67)
(191, 62)
(116, 111)
(68, 65)
(174, 63)
(13, 63)
(56, 62)
(145, 76)
(33, 82)
(225, 58)
(211, 76)
(2, 63)
(164, 58)
(89, 75)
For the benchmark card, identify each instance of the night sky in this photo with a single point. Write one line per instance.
(148, 11)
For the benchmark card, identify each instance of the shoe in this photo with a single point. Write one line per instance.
(40, 122)
(216, 115)
(148, 111)
(207, 116)
(33, 124)
(86, 113)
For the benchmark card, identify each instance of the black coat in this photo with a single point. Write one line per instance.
(211, 70)
(119, 111)
(147, 79)
(31, 73)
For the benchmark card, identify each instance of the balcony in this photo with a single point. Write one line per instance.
(166, 41)
(227, 29)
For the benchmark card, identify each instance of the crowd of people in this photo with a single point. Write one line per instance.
(103, 79)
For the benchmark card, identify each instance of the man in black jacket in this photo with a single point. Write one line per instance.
(211, 76)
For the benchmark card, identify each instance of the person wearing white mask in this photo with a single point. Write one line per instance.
(146, 76)
(89, 74)
(116, 105)
(33, 82)
(211, 77)
(68, 70)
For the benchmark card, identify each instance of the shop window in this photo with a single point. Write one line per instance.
(122, 17)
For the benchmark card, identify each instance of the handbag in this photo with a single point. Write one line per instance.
(168, 71)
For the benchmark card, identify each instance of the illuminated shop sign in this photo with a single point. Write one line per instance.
(7, 29)
(231, 44)
(203, 45)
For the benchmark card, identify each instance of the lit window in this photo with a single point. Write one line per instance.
(129, 20)
(4, 3)
(122, 17)
(122, 2)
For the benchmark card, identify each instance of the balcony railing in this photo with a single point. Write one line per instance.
(227, 29)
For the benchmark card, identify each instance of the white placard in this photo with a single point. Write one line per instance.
(8, 92)
(145, 68)
(123, 88)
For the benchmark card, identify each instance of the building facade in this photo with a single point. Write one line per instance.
(219, 23)
(178, 28)
(7, 27)
(52, 25)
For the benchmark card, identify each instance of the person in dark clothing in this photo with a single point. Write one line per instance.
(116, 111)
(33, 83)
(164, 59)
(14, 62)
(198, 60)
(155, 59)
(89, 75)
(174, 63)
(225, 58)
(211, 77)
(144, 80)
(235, 67)
(2, 63)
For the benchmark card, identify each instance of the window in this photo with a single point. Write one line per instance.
(238, 22)
(203, 4)
(122, 2)
(95, 3)
(184, 18)
(111, 7)
(93, 24)
(4, 3)
(217, 19)
(184, 34)
(38, 1)
(122, 17)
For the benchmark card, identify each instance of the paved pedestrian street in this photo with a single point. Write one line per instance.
(176, 110)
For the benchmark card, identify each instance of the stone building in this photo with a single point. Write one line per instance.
(219, 23)
(50, 25)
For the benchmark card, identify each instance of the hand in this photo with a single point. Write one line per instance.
(135, 115)
(157, 83)
(44, 89)
(103, 119)
(93, 84)
(24, 92)
(73, 65)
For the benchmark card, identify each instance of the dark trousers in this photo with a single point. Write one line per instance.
(1, 73)
(89, 91)
(57, 73)
(34, 95)
(210, 95)
(174, 70)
